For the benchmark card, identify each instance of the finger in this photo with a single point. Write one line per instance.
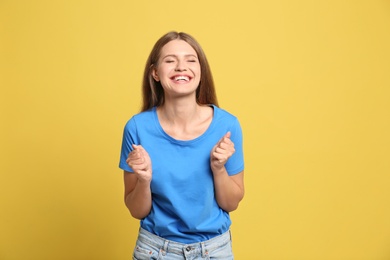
(223, 145)
(140, 149)
(220, 157)
(135, 157)
(219, 150)
(224, 138)
(137, 160)
(227, 151)
(135, 154)
(139, 167)
(227, 145)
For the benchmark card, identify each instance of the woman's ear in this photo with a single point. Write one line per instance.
(154, 74)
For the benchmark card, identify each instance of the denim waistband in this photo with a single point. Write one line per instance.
(180, 248)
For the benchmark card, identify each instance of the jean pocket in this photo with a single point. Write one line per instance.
(224, 251)
(141, 253)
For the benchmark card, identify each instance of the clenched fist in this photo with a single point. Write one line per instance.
(221, 152)
(140, 162)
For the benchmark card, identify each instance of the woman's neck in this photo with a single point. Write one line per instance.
(184, 119)
(180, 112)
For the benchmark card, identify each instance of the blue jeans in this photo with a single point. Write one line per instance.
(150, 246)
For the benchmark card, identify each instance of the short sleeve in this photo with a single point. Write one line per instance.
(235, 164)
(129, 138)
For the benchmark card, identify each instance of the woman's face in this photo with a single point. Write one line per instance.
(178, 69)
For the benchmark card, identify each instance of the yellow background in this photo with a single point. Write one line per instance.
(309, 81)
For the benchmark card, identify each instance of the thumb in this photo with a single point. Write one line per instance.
(136, 147)
(140, 149)
(227, 135)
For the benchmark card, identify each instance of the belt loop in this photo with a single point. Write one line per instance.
(164, 249)
(166, 242)
(205, 252)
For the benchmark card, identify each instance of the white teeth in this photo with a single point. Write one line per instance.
(182, 78)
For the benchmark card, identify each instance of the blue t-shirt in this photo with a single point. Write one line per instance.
(184, 207)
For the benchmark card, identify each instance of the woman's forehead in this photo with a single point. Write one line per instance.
(178, 47)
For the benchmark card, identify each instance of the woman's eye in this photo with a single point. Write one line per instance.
(191, 60)
(169, 61)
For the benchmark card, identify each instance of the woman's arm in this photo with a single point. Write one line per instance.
(138, 196)
(229, 190)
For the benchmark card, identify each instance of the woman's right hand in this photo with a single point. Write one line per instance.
(140, 162)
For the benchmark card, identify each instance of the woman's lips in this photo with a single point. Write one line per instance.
(181, 78)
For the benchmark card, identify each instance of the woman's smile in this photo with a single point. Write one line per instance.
(178, 66)
(181, 78)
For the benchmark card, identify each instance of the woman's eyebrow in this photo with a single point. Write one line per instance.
(175, 56)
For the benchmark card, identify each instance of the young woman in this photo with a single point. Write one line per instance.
(182, 158)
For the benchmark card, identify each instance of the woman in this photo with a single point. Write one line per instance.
(182, 158)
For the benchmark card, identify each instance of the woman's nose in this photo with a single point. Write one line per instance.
(180, 66)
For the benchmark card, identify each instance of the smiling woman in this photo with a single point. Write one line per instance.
(153, 94)
(178, 70)
(182, 157)
(308, 80)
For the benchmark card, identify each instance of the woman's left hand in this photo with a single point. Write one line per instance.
(221, 152)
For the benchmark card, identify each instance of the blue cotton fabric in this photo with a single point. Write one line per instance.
(184, 207)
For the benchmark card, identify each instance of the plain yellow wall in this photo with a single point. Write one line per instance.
(309, 81)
